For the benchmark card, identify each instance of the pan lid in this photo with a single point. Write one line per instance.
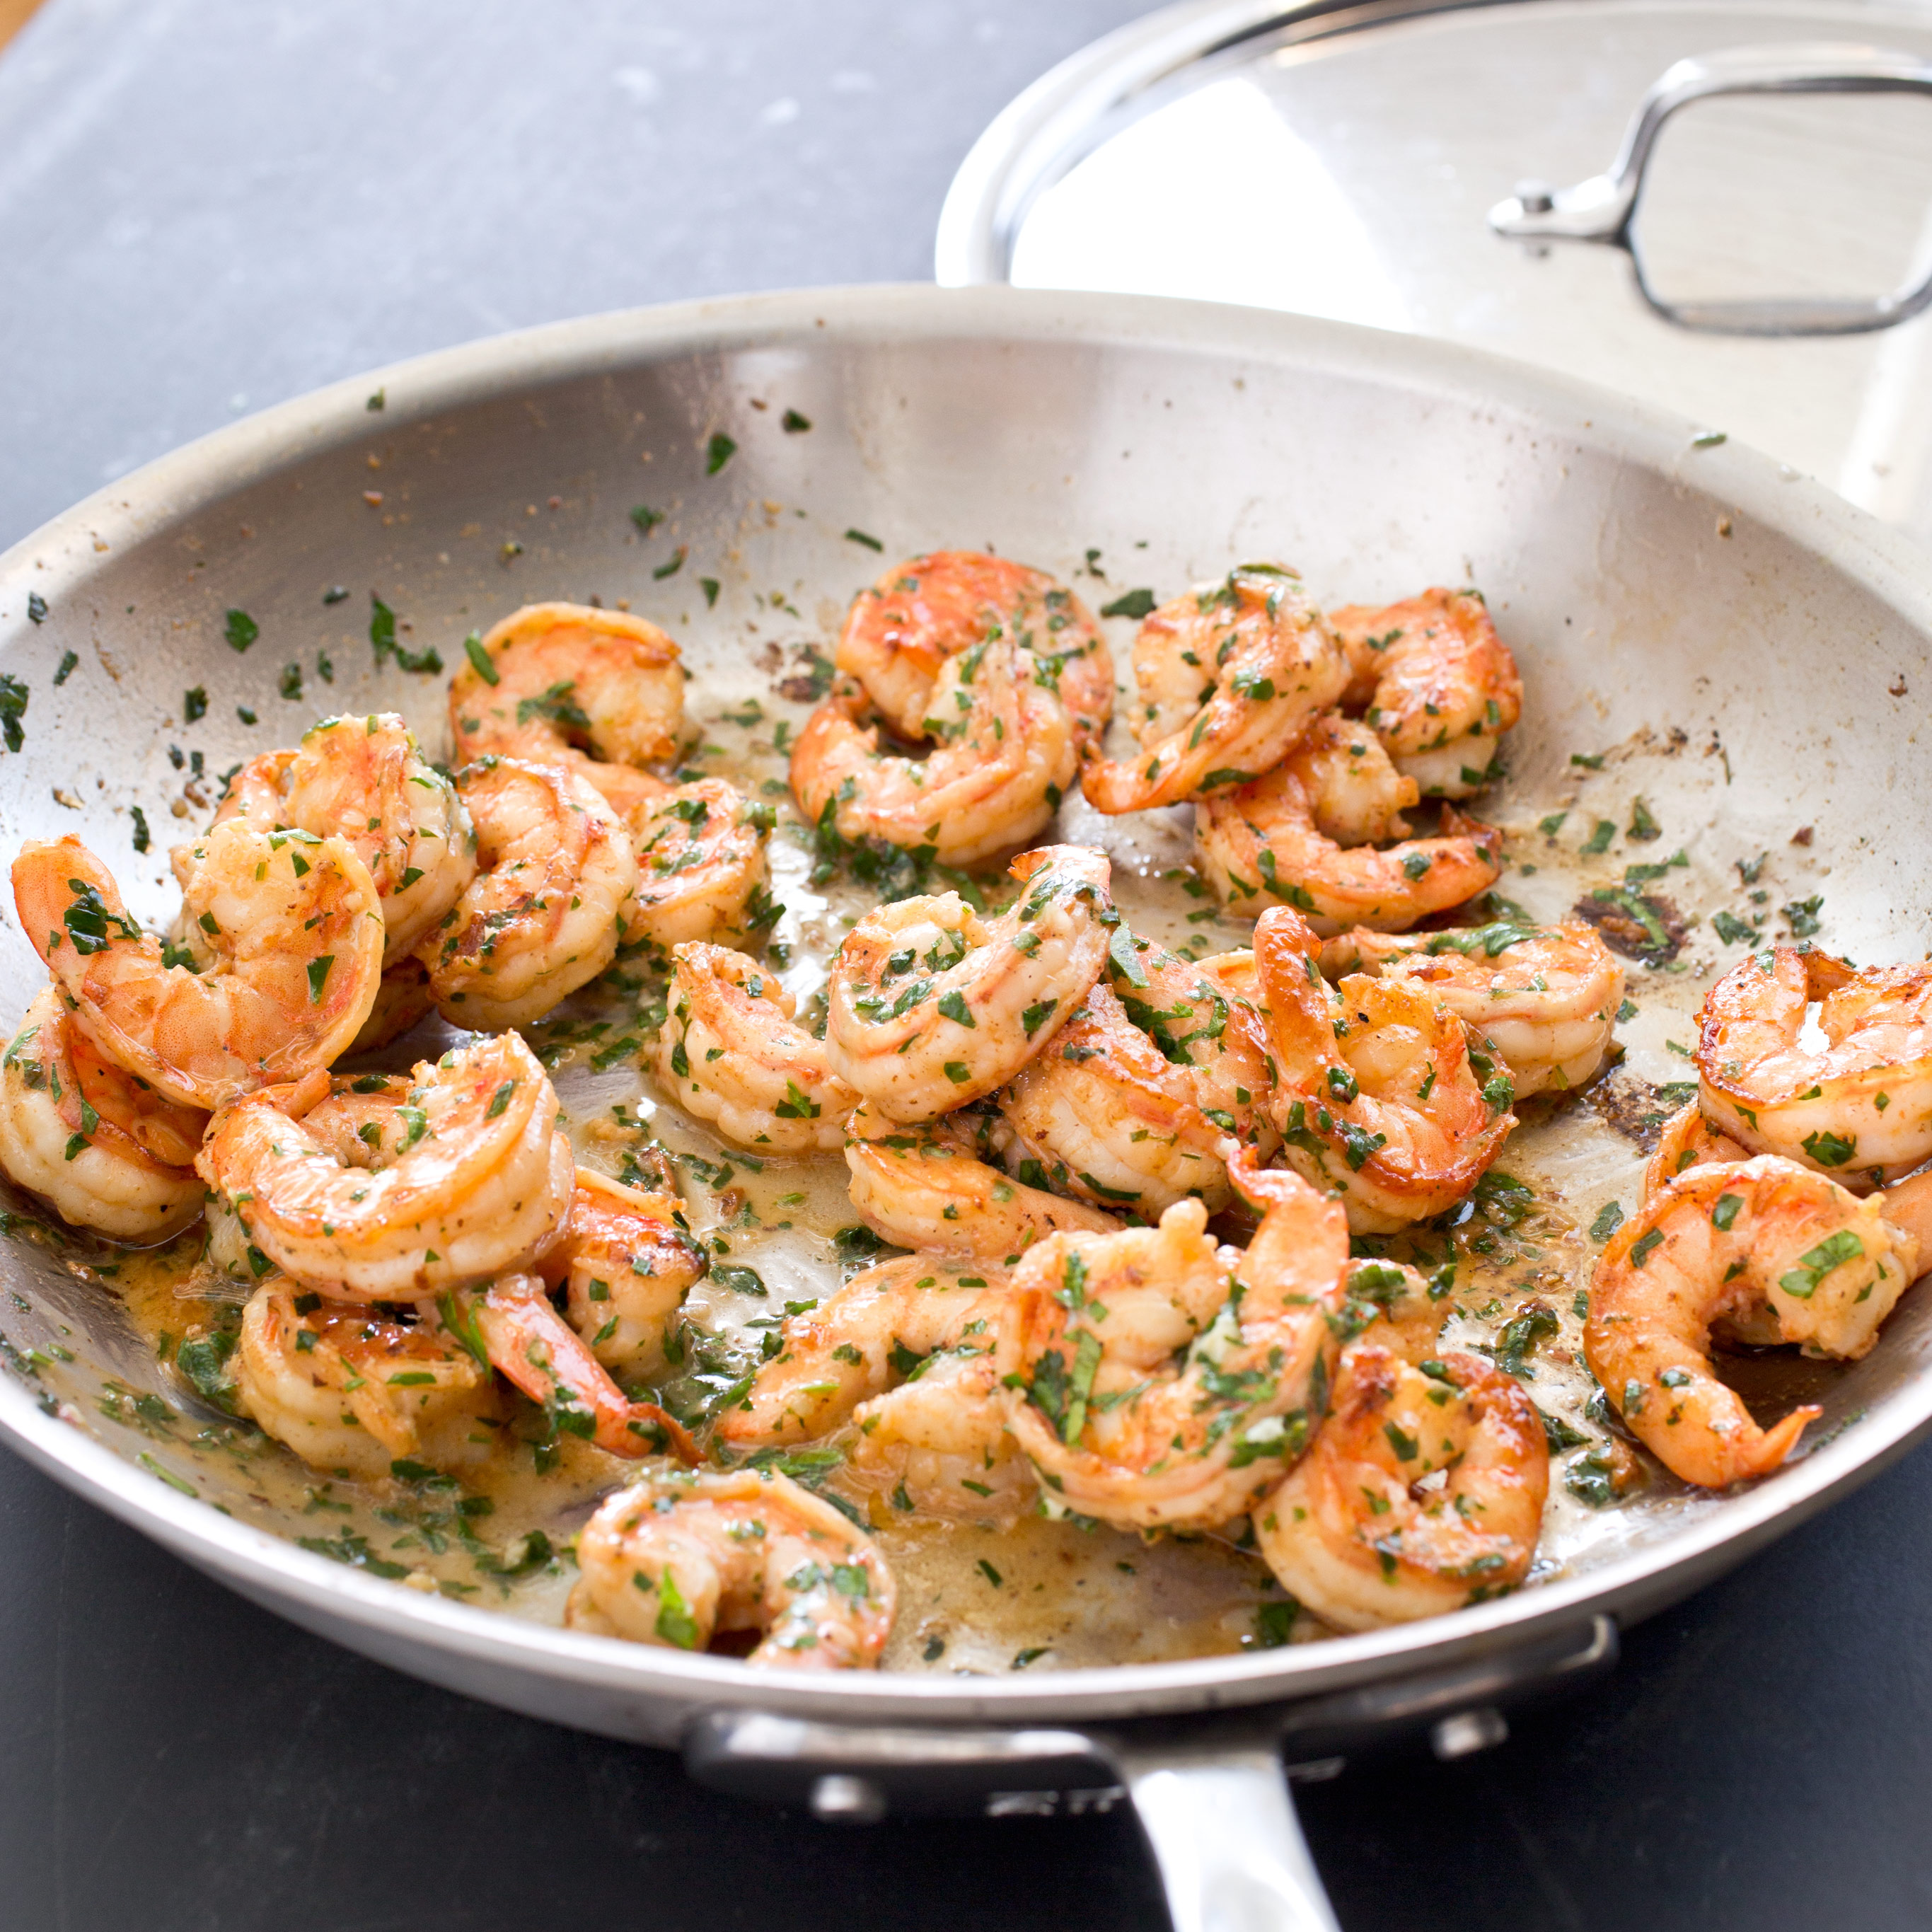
(1723, 206)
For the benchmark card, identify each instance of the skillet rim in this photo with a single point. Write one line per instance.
(319, 1593)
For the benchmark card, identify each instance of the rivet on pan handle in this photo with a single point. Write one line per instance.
(1602, 208)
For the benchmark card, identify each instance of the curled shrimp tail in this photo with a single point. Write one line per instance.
(1303, 1240)
(533, 1347)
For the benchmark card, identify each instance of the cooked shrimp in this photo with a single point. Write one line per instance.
(292, 934)
(1424, 1491)
(627, 1265)
(904, 1352)
(516, 1326)
(1687, 1138)
(348, 1388)
(931, 1187)
(1103, 1116)
(1547, 996)
(597, 692)
(1205, 1016)
(1230, 677)
(931, 1006)
(1259, 846)
(1732, 1241)
(1440, 685)
(701, 871)
(900, 632)
(679, 1555)
(1158, 1382)
(1355, 795)
(730, 1052)
(385, 1189)
(1395, 1307)
(1385, 1097)
(402, 999)
(105, 1150)
(1007, 753)
(365, 781)
(542, 915)
(1859, 1107)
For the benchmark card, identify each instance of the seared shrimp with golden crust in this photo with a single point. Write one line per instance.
(1159, 1382)
(553, 887)
(515, 1327)
(680, 1555)
(1860, 1107)
(1686, 1140)
(1424, 1491)
(1547, 996)
(701, 871)
(1260, 846)
(104, 1149)
(1005, 754)
(900, 631)
(1440, 687)
(387, 1188)
(364, 780)
(291, 930)
(597, 692)
(935, 1186)
(1104, 1116)
(1230, 677)
(931, 1006)
(626, 1265)
(348, 1388)
(1386, 1097)
(1205, 1015)
(904, 1353)
(1739, 1241)
(730, 1052)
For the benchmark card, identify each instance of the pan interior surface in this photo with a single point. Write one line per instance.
(1707, 647)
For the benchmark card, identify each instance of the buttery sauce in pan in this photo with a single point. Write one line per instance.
(1042, 1594)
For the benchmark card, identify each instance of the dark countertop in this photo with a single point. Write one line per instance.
(206, 209)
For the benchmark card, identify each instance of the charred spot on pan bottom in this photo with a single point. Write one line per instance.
(1636, 1109)
(1643, 926)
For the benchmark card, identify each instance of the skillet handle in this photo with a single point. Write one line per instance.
(1223, 1826)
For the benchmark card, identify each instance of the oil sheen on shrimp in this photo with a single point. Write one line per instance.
(627, 1261)
(1229, 678)
(901, 1359)
(1104, 1116)
(365, 780)
(701, 870)
(1423, 1493)
(1006, 751)
(103, 1150)
(556, 874)
(1764, 1244)
(354, 1389)
(381, 1188)
(1261, 844)
(1859, 1107)
(289, 927)
(930, 1006)
(681, 1556)
(1159, 1381)
(1205, 1016)
(1386, 1097)
(730, 1052)
(901, 630)
(1440, 687)
(1546, 996)
(597, 692)
(934, 1187)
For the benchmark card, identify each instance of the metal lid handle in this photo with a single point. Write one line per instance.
(1601, 208)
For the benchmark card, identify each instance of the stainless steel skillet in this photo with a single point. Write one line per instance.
(1648, 576)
